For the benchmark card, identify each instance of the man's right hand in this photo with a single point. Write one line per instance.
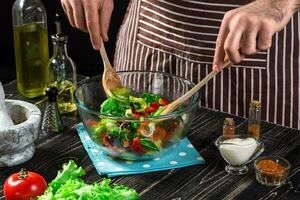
(92, 16)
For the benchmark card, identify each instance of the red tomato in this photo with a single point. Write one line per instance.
(104, 141)
(163, 102)
(136, 145)
(136, 114)
(159, 133)
(24, 185)
(139, 114)
(154, 105)
(150, 109)
(91, 122)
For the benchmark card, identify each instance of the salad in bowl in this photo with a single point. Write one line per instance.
(129, 124)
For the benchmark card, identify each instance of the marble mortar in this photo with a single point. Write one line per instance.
(17, 143)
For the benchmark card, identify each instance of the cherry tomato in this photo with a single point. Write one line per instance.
(163, 102)
(151, 109)
(139, 114)
(136, 146)
(154, 105)
(24, 185)
(159, 133)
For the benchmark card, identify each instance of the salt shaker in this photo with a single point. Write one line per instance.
(52, 120)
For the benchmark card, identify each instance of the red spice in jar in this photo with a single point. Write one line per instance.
(271, 171)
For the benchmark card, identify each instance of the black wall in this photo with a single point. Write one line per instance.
(88, 61)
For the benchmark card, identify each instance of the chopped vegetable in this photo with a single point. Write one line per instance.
(139, 104)
(163, 102)
(121, 94)
(142, 136)
(69, 186)
(148, 144)
(150, 97)
(114, 107)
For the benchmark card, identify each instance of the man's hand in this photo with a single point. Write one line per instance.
(249, 29)
(92, 16)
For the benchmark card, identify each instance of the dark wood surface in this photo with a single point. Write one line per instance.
(208, 181)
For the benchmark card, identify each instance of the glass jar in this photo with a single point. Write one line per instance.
(228, 127)
(254, 119)
(62, 74)
(31, 47)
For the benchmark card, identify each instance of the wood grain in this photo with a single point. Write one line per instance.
(208, 181)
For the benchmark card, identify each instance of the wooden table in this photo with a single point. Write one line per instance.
(208, 181)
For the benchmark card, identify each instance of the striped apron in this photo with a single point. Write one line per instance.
(178, 36)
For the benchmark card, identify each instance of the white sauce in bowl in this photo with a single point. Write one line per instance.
(238, 151)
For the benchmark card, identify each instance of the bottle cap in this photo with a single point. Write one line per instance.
(229, 121)
(255, 104)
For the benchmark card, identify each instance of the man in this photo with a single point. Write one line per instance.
(186, 36)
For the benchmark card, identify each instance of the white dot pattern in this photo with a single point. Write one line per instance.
(146, 166)
(101, 163)
(94, 150)
(182, 154)
(173, 162)
(87, 138)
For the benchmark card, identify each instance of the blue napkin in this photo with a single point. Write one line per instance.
(183, 154)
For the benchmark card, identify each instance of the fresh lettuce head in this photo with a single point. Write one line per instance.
(69, 186)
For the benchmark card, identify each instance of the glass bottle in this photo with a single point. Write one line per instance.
(254, 119)
(228, 127)
(31, 47)
(62, 72)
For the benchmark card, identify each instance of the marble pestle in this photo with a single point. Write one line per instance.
(5, 119)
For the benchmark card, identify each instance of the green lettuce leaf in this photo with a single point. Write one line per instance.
(114, 107)
(69, 186)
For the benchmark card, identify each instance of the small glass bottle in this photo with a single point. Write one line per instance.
(31, 47)
(228, 127)
(62, 71)
(254, 119)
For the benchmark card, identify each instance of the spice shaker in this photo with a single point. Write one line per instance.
(228, 127)
(254, 119)
(52, 120)
(62, 71)
(31, 47)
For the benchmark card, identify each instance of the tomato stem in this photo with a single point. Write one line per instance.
(23, 174)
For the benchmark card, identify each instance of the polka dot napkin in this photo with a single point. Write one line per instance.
(183, 154)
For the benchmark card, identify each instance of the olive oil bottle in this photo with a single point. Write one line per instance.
(62, 71)
(31, 47)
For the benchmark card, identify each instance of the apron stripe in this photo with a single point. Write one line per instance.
(160, 35)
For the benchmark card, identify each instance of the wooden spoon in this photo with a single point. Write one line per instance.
(178, 102)
(110, 79)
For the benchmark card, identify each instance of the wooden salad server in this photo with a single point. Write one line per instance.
(178, 102)
(110, 79)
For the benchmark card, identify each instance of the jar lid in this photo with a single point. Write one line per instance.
(229, 121)
(255, 104)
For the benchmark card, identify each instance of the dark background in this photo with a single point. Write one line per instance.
(88, 61)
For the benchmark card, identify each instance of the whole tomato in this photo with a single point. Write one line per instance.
(24, 185)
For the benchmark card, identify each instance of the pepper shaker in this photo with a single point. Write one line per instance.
(52, 120)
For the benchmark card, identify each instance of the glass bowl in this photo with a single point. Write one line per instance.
(271, 170)
(238, 151)
(145, 137)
